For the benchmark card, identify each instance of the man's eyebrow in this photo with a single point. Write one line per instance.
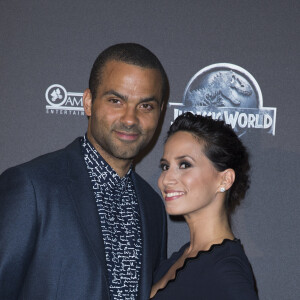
(125, 98)
(113, 92)
(150, 99)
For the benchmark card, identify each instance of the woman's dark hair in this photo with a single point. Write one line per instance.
(223, 148)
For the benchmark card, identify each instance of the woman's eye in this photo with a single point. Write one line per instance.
(184, 165)
(164, 167)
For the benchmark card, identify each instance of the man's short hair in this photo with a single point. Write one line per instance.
(130, 53)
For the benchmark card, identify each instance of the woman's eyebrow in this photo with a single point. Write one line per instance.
(184, 156)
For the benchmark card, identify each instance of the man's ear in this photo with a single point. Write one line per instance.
(87, 102)
(162, 105)
(228, 178)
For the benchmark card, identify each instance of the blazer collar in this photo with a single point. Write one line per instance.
(146, 271)
(82, 195)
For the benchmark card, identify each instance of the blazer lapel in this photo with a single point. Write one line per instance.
(146, 270)
(81, 192)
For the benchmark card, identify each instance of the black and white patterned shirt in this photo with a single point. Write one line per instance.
(120, 223)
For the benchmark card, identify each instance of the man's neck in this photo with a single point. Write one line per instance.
(120, 166)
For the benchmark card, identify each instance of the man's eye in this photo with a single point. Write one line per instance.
(147, 106)
(164, 167)
(114, 100)
(184, 165)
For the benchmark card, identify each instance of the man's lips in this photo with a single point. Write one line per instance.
(172, 195)
(127, 136)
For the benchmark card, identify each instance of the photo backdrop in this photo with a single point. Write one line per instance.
(48, 48)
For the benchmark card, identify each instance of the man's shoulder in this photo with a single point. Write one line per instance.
(144, 186)
(49, 163)
(139, 180)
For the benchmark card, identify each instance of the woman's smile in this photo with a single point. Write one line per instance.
(188, 181)
(172, 195)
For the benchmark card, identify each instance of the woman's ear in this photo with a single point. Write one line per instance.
(228, 178)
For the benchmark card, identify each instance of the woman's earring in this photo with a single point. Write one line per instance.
(222, 190)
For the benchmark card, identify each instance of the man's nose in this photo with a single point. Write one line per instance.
(129, 117)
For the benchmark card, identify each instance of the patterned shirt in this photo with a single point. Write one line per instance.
(120, 223)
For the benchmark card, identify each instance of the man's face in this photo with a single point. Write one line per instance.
(125, 111)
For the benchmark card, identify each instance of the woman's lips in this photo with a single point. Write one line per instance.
(172, 195)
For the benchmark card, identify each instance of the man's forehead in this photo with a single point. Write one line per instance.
(119, 64)
(118, 73)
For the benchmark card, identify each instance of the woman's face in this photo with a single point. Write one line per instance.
(189, 183)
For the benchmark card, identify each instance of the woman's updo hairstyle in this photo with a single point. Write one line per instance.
(222, 147)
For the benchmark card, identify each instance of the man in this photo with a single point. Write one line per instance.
(79, 223)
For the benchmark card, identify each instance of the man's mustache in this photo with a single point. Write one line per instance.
(132, 129)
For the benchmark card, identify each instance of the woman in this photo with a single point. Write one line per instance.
(204, 177)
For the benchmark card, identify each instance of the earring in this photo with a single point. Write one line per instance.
(222, 189)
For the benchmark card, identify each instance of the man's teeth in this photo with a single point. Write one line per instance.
(174, 194)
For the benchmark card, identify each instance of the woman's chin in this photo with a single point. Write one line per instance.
(173, 212)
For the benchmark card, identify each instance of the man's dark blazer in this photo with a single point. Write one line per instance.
(51, 245)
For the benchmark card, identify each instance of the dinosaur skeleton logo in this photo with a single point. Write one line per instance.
(228, 92)
(62, 102)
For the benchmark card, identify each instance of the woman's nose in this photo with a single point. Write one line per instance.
(169, 177)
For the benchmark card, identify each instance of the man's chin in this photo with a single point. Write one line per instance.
(127, 151)
(126, 155)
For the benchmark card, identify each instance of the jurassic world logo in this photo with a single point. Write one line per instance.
(230, 93)
(62, 102)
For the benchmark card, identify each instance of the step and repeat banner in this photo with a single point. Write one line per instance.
(233, 60)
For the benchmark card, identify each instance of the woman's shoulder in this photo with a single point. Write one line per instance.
(231, 273)
(220, 260)
(224, 269)
(215, 254)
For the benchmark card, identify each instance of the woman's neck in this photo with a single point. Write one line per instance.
(206, 231)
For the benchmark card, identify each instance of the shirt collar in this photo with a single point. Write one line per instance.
(93, 158)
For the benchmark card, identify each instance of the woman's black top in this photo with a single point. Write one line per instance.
(221, 273)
